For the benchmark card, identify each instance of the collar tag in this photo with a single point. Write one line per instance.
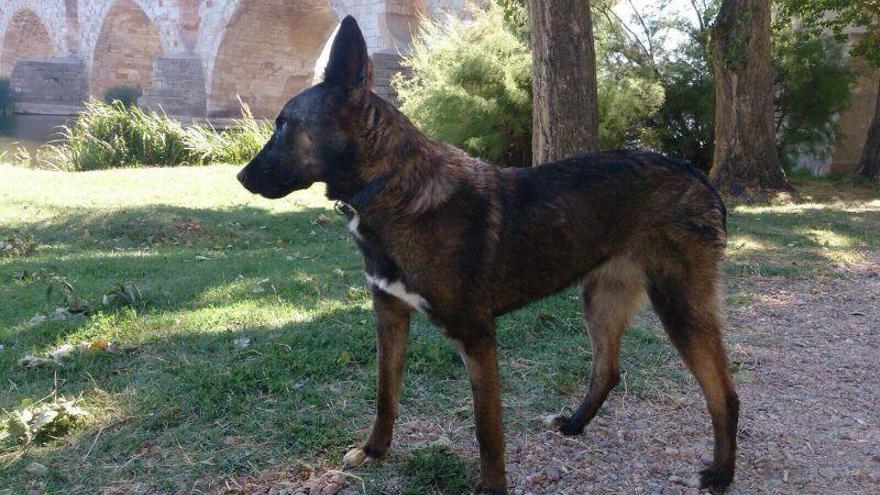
(345, 209)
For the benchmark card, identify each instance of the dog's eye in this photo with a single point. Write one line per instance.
(280, 126)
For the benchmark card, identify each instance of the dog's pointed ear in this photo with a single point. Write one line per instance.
(349, 65)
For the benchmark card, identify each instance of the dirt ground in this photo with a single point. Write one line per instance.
(808, 358)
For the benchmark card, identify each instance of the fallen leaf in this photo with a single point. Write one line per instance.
(35, 362)
(99, 345)
(344, 357)
(242, 342)
(36, 468)
(61, 351)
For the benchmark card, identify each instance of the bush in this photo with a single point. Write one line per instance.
(469, 84)
(813, 84)
(114, 135)
(685, 124)
(238, 143)
(6, 96)
(127, 95)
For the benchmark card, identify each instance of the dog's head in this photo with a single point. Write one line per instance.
(313, 139)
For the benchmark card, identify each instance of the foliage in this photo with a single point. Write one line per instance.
(114, 135)
(40, 422)
(626, 103)
(128, 95)
(238, 143)
(6, 97)
(685, 124)
(812, 82)
(470, 85)
(516, 17)
(812, 85)
(839, 16)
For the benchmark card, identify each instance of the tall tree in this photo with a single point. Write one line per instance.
(564, 111)
(745, 159)
(842, 17)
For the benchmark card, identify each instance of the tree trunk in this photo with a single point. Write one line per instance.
(869, 164)
(745, 159)
(565, 112)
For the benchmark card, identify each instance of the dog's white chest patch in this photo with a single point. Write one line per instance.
(353, 224)
(397, 289)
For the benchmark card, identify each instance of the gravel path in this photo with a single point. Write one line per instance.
(809, 383)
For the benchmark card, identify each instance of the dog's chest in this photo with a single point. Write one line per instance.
(382, 273)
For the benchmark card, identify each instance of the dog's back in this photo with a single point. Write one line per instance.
(561, 220)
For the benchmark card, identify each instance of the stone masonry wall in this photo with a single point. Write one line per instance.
(127, 47)
(25, 37)
(198, 57)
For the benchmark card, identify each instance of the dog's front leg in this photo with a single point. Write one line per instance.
(479, 356)
(392, 327)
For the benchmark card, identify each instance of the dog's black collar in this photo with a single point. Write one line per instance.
(359, 201)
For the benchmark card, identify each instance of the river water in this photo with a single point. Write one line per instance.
(29, 132)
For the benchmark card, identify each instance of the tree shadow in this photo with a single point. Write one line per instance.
(179, 258)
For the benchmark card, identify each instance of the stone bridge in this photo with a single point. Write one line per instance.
(191, 57)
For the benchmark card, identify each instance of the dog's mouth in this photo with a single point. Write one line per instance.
(272, 191)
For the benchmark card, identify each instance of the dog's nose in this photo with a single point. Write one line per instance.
(242, 178)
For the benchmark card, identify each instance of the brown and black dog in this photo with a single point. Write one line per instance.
(465, 241)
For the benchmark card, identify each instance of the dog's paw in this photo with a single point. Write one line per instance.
(562, 424)
(554, 422)
(354, 458)
(716, 479)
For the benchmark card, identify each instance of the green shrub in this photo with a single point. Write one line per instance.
(469, 84)
(813, 84)
(238, 143)
(127, 95)
(113, 135)
(5, 97)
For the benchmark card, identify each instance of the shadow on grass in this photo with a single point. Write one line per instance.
(801, 241)
(180, 258)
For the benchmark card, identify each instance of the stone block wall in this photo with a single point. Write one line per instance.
(178, 86)
(49, 84)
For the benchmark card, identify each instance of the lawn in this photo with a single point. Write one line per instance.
(240, 332)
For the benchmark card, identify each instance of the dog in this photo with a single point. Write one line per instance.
(464, 242)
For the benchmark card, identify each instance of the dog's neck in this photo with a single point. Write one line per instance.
(388, 145)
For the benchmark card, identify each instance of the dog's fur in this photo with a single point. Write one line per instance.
(465, 241)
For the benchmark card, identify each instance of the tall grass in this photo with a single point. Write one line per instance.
(236, 144)
(113, 135)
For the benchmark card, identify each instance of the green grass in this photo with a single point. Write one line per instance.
(177, 403)
(831, 225)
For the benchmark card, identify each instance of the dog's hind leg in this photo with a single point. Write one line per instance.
(686, 300)
(392, 328)
(611, 294)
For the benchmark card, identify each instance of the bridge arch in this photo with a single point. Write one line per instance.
(263, 51)
(28, 29)
(96, 21)
(125, 48)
